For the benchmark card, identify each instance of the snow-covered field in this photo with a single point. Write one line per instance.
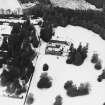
(60, 72)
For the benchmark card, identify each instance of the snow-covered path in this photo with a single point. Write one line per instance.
(60, 72)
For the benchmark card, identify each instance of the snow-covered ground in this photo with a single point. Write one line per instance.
(60, 72)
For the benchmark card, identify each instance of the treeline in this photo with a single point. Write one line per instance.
(90, 19)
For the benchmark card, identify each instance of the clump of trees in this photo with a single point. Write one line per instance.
(77, 56)
(101, 76)
(74, 91)
(18, 58)
(58, 100)
(44, 82)
(46, 32)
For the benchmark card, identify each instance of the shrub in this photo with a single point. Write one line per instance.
(30, 99)
(45, 67)
(58, 100)
(98, 65)
(94, 58)
(99, 79)
(101, 76)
